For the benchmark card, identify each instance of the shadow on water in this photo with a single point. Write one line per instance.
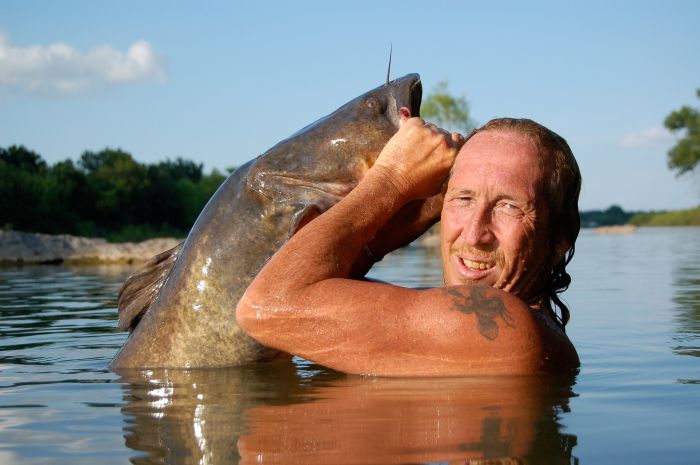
(285, 413)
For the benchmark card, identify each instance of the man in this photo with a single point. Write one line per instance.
(509, 223)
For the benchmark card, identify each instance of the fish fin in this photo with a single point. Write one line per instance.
(388, 70)
(303, 217)
(141, 288)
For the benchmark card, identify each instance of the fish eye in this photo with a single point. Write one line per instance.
(373, 104)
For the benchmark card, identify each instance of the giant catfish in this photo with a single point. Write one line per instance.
(180, 307)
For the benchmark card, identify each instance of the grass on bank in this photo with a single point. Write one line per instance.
(690, 217)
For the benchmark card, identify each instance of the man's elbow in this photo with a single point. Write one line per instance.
(261, 315)
(248, 313)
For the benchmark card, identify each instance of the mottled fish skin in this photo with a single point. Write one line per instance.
(191, 321)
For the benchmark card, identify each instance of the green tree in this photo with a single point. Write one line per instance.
(614, 215)
(446, 110)
(106, 193)
(22, 186)
(173, 194)
(181, 168)
(64, 198)
(117, 185)
(23, 159)
(685, 155)
(209, 184)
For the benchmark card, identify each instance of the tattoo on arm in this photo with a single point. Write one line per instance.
(487, 308)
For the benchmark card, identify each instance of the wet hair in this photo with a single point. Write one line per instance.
(562, 186)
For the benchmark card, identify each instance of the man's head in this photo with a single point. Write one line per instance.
(510, 217)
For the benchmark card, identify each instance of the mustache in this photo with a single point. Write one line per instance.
(475, 253)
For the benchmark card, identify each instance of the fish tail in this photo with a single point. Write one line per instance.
(141, 288)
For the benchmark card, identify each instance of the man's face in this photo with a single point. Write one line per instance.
(495, 221)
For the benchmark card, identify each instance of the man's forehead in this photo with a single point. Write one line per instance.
(500, 155)
(493, 142)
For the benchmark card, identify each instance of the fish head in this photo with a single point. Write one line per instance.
(348, 141)
(325, 160)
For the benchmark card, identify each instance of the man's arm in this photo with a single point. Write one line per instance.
(302, 301)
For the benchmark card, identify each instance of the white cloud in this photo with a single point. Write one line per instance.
(63, 70)
(650, 137)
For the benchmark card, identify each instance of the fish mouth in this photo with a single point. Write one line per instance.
(404, 92)
(415, 97)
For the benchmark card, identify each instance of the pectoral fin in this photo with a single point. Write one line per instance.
(303, 217)
(141, 289)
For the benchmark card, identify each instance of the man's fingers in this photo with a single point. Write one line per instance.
(457, 139)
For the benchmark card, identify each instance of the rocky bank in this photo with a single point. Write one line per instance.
(21, 247)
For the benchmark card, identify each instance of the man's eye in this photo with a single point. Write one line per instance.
(463, 200)
(509, 209)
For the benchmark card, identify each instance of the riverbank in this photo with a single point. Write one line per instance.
(690, 217)
(18, 247)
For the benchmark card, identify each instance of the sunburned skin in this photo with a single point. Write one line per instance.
(480, 323)
(494, 224)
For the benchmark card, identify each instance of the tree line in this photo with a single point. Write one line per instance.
(615, 215)
(106, 194)
(109, 194)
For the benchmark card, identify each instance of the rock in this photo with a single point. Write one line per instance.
(22, 247)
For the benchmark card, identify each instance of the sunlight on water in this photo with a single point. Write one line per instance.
(635, 303)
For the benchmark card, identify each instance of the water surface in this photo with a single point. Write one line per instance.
(635, 303)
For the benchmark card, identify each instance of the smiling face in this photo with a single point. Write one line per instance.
(495, 224)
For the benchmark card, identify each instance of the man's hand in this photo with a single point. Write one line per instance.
(416, 161)
(418, 158)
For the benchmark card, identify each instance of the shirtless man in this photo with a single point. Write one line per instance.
(509, 224)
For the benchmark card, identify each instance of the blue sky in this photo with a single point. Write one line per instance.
(220, 82)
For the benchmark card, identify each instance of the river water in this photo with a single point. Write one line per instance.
(635, 304)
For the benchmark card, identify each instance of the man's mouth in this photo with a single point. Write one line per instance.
(476, 265)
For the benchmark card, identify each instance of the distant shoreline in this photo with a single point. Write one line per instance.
(616, 216)
(18, 247)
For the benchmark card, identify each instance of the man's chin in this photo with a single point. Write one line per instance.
(457, 279)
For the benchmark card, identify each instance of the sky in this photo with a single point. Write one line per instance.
(221, 82)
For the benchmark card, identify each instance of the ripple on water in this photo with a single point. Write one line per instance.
(635, 305)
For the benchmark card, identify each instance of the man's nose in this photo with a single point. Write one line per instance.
(478, 228)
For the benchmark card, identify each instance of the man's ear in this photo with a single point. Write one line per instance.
(560, 248)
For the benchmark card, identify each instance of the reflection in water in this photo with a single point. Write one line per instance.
(286, 414)
(686, 288)
(687, 284)
(637, 318)
(193, 416)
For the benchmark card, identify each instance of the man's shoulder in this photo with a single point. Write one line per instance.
(501, 326)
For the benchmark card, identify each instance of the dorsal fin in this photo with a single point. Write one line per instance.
(141, 288)
(388, 70)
